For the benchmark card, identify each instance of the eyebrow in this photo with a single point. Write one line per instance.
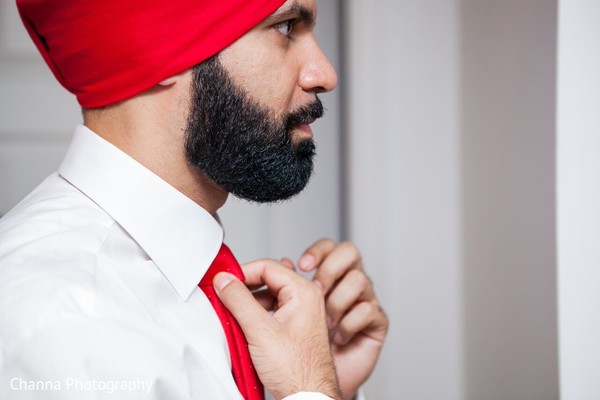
(296, 11)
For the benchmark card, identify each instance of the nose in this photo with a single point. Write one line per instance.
(317, 75)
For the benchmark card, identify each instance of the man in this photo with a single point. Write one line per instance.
(183, 103)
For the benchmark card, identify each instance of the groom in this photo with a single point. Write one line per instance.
(183, 103)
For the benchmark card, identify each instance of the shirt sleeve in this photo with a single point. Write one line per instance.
(320, 396)
(360, 395)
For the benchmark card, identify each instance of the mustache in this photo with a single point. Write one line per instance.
(305, 114)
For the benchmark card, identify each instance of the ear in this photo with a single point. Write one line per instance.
(169, 81)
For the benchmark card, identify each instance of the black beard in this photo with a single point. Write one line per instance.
(240, 144)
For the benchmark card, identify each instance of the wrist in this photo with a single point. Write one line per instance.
(323, 380)
(311, 376)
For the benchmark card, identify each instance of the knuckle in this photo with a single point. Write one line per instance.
(327, 242)
(272, 265)
(369, 308)
(323, 246)
(382, 317)
(350, 248)
(358, 278)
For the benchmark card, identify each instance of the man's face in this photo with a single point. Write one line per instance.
(248, 128)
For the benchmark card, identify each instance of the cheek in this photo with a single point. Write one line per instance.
(266, 76)
(274, 85)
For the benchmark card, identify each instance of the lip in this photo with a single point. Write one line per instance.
(305, 130)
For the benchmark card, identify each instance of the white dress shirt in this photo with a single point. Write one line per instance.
(99, 268)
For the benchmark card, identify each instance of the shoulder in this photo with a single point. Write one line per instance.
(54, 216)
(48, 251)
(54, 206)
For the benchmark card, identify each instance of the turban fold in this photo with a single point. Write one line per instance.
(105, 51)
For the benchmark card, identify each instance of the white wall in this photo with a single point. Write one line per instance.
(405, 177)
(578, 123)
(451, 116)
(508, 76)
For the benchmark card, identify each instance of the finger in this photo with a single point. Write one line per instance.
(344, 258)
(240, 302)
(354, 287)
(253, 272)
(315, 254)
(286, 262)
(259, 286)
(367, 319)
(274, 275)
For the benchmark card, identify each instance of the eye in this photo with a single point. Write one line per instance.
(285, 27)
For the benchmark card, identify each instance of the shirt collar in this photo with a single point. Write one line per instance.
(179, 236)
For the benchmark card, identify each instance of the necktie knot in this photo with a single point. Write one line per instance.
(224, 262)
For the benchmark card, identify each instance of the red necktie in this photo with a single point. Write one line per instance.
(241, 364)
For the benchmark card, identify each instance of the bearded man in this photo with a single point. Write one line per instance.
(114, 279)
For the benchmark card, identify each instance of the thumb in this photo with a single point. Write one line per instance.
(240, 302)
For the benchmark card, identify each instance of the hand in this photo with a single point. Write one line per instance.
(290, 347)
(356, 322)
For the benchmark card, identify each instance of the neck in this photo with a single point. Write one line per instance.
(142, 128)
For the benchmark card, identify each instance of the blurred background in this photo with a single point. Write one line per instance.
(461, 152)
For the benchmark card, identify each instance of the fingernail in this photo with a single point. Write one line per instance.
(338, 338)
(306, 262)
(221, 280)
(287, 263)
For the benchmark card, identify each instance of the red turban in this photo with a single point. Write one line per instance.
(105, 51)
